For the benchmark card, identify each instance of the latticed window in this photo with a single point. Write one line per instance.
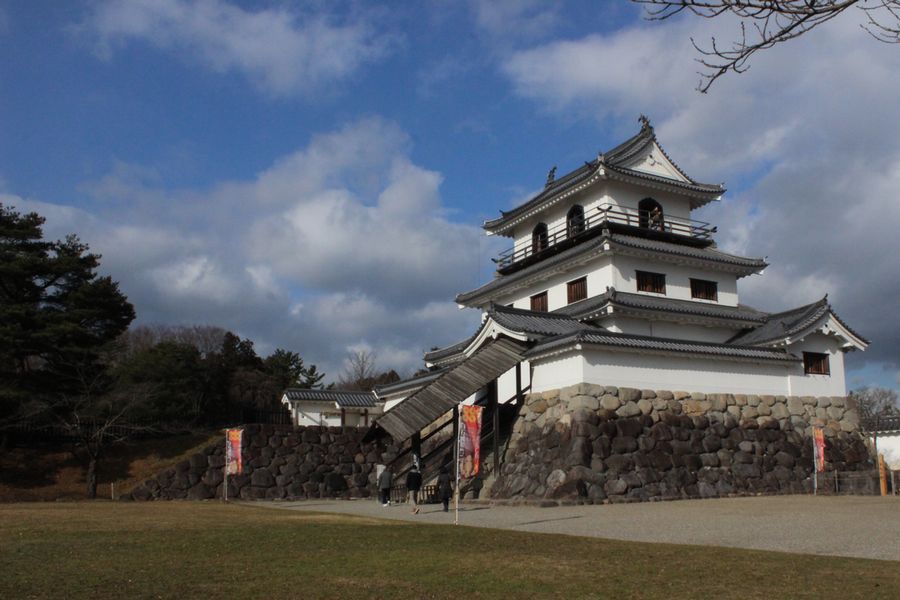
(651, 282)
(539, 302)
(577, 290)
(816, 363)
(704, 290)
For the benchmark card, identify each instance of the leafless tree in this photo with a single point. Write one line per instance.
(765, 23)
(207, 339)
(359, 371)
(872, 403)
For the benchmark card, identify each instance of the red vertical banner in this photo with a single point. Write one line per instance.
(234, 465)
(469, 441)
(819, 447)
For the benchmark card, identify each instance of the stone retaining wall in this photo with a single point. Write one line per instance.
(279, 462)
(591, 443)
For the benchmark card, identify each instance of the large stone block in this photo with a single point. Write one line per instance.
(629, 409)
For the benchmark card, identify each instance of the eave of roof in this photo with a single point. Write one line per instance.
(733, 316)
(601, 337)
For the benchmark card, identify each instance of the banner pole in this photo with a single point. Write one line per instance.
(225, 472)
(459, 430)
(815, 463)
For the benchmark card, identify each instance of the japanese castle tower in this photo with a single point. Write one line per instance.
(610, 281)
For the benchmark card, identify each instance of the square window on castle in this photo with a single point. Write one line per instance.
(651, 282)
(815, 363)
(539, 302)
(704, 290)
(576, 290)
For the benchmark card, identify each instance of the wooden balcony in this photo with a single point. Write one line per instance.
(614, 218)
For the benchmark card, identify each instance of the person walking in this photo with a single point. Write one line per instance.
(445, 488)
(413, 485)
(384, 485)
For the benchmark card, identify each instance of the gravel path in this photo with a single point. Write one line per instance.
(855, 526)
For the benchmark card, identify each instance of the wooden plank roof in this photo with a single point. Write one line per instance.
(455, 385)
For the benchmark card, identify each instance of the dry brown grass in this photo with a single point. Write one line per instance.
(42, 474)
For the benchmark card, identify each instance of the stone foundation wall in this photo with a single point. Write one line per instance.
(279, 462)
(590, 443)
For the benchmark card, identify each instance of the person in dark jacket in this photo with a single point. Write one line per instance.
(384, 486)
(413, 485)
(445, 488)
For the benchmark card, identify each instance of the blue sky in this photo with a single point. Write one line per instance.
(313, 175)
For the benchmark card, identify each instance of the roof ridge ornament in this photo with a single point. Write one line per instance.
(645, 122)
(551, 176)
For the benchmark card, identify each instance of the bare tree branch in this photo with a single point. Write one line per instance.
(765, 23)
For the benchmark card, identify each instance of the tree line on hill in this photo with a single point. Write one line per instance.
(70, 359)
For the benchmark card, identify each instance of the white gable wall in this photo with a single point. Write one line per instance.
(819, 385)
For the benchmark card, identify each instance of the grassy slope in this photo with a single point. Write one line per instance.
(202, 550)
(46, 474)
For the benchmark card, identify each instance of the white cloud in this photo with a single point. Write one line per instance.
(525, 19)
(341, 243)
(283, 51)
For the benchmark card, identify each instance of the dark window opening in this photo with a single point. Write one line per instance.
(539, 240)
(650, 214)
(575, 221)
(539, 302)
(651, 282)
(816, 363)
(577, 290)
(704, 290)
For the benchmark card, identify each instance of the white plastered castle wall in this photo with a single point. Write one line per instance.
(598, 273)
(665, 329)
(669, 372)
(506, 383)
(678, 279)
(818, 385)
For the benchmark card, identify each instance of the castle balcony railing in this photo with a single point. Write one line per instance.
(606, 216)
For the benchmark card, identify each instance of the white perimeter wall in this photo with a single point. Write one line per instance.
(889, 446)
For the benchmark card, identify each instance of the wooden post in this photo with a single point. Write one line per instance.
(519, 384)
(343, 417)
(416, 446)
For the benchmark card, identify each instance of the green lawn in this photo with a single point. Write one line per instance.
(208, 550)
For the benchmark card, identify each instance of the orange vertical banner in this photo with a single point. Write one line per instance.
(234, 465)
(470, 441)
(819, 436)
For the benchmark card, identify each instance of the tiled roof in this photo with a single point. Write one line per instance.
(442, 353)
(548, 263)
(340, 397)
(742, 316)
(788, 323)
(612, 160)
(534, 323)
(708, 254)
(602, 337)
(413, 383)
